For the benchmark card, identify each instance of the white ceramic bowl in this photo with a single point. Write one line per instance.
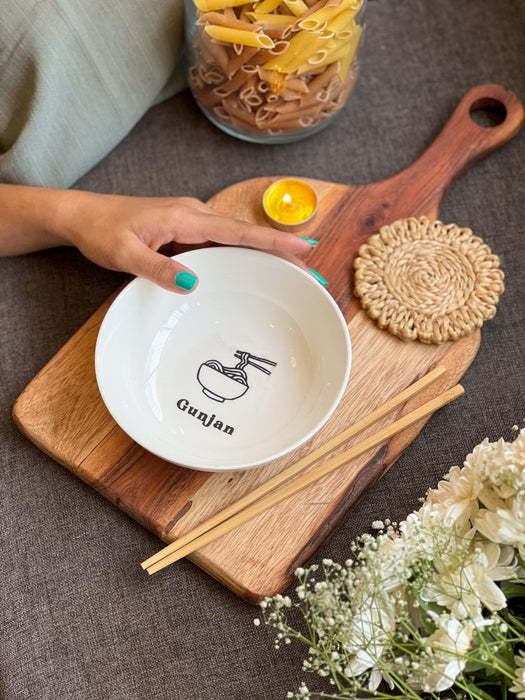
(236, 374)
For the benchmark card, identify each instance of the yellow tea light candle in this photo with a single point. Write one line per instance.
(290, 204)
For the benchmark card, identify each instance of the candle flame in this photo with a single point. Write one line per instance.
(287, 199)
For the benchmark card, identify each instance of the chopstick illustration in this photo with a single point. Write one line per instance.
(269, 493)
(246, 357)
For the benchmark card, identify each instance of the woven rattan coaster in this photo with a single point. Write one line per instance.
(423, 280)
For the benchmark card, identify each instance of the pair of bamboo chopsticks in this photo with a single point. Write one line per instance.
(266, 495)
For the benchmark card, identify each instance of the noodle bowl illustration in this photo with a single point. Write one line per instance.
(222, 383)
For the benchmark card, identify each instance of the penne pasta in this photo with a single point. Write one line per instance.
(269, 20)
(263, 56)
(249, 88)
(267, 6)
(216, 53)
(331, 57)
(212, 5)
(207, 98)
(297, 7)
(318, 57)
(287, 123)
(297, 85)
(254, 100)
(263, 114)
(341, 21)
(313, 109)
(292, 96)
(320, 81)
(238, 60)
(348, 70)
(239, 111)
(222, 20)
(338, 52)
(241, 77)
(278, 31)
(279, 48)
(229, 14)
(243, 15)
(317, 6)
(327, 15)
(344, 65)
(245, 126)
(302, 45)
(221, 114)
(239, 36)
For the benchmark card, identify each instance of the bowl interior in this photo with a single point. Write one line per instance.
(235, 374)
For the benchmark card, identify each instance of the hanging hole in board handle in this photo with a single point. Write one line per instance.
(501, 115)
(488, 112)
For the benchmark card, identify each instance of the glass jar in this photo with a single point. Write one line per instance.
(272, 71)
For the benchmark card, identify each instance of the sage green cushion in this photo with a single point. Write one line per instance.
(76, 76)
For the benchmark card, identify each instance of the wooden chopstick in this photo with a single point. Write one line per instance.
(269, 486)
(301, 465)
(305, 480)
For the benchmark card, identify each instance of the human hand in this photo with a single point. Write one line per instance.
(124, 234)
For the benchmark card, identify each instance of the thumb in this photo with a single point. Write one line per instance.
(161, 270)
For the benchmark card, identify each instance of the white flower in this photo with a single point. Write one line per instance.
(501, 464)
(501, 561)
(376, 676)
(466, 587)
(368, 636)
(519, 685)
(505, 525)
(455, 500)
(450, 642)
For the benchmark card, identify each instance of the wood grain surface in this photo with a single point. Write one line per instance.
(62, 412)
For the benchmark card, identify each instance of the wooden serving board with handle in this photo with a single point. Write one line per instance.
(62, 412)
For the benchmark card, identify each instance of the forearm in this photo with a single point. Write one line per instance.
(30, 219)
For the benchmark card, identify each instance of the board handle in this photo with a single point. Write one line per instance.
(462, 141)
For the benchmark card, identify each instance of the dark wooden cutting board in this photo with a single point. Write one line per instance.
(62, 412)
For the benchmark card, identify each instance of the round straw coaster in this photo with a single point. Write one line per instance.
(423, 280)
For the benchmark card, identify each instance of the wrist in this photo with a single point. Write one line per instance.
(62, 214)
(29, 220)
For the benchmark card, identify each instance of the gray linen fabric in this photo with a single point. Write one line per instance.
(79, 620)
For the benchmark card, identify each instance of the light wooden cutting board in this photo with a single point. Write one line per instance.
(62, 412)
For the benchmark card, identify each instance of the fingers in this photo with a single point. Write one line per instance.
(159, 269)
(189, 220)
(174, 277)
(235, 232)
(303, 266)
(290, 258)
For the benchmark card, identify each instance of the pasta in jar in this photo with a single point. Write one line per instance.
(273, 70)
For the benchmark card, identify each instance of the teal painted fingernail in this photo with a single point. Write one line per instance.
(185, 280)
(318, 277)
(309, 240)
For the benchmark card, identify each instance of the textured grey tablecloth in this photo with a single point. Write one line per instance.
(79, 618)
